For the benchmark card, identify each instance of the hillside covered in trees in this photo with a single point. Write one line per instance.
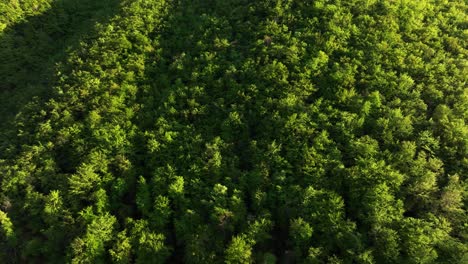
(233, 131)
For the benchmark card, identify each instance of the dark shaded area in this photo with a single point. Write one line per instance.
(29, 53)
(30, 50)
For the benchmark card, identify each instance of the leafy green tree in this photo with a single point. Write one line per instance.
(239, 251)
(92, 246)
(122, 250)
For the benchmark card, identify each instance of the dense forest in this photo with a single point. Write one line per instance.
(233, 131)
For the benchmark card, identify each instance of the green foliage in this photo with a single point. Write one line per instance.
(238, 251)
(8, 234)
(235, 131)
(92, 246)
(121, 251)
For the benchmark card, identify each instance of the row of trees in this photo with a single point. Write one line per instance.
(236, 131)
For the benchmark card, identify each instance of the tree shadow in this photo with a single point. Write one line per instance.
(31, 48)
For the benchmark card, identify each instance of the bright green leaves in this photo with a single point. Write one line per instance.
(213, 155)
(151, 248)
(451, 200)
(140, 245)
(121, 251)
(84, 181)
(176, 188)
(222, 213)
(162, 211)
(372, 190)
(8, 238)
(92, 246)
(323, 208)
(395, 126)
(53, 204)
(8, 234)
(239, 251)
(419, 238)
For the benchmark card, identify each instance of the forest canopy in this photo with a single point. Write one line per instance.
(233, 131)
